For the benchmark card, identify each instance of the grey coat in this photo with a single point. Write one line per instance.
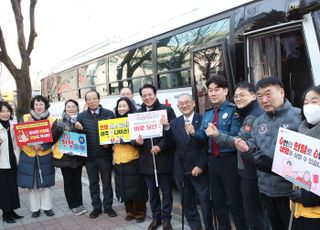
(262, 146)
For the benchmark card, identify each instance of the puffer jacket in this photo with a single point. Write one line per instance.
(28, 169)
(249, 114)
(308, 205)
(91, 129)
(262, 146)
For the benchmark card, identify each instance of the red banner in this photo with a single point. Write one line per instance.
(35, 132)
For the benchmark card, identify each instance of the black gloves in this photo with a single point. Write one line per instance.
(265, 164)
(307, 199)
(295, 195)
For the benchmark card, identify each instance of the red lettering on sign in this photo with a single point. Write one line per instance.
(167, 103)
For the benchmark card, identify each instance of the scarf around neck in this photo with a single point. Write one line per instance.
(312, 131)
(39, 116)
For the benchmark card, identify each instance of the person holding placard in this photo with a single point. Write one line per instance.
(307, 207)
(9, 157)
(35, 168)
(130, 187)
(159, 148)
(70, 165)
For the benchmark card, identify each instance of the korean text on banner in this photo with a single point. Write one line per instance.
(73, 144)
(297, 159)
(114, 131)
(146, 124)
(34, 132)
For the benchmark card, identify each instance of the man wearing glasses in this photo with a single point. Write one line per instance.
(190, 164)
(248, 109)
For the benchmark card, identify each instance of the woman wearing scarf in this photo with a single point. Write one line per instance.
(130, 187)
(307, 207)
(71, 166)
(9, 156)
(33, 157)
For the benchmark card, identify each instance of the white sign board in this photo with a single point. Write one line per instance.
(297, 159)
(146, 124)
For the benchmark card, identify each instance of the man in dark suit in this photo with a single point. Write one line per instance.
(190, 163)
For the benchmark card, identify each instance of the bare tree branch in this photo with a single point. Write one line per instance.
(4, 57)
(22, 75)
(33, 33)
(16, 7)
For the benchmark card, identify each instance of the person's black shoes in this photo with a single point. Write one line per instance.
(140, 219)
(95, 213)
(36, 214)
(14, 215)
(8, 218)
(154, 224)
(129, 217)
(110, 212)
(49, 212)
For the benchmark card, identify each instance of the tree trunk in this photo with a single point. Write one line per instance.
(23, 93)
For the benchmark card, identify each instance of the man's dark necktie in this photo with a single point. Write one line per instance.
(214, 146)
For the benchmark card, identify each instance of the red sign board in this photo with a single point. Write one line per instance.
(35, 132)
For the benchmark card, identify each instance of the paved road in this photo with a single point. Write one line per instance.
(64, 218)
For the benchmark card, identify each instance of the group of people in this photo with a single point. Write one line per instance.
(221, 159)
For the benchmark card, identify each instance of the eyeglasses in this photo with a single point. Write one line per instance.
(239, 96)
(187, 103)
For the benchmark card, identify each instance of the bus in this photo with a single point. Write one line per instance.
(243, 42)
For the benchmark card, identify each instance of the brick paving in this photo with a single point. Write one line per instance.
(65, 219)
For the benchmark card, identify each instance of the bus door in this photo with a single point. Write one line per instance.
(210, 58)
(283, 53)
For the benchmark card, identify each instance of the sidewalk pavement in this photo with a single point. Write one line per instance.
(65, 219)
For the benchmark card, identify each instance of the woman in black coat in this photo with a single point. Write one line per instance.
(71, 166)
(130, 187)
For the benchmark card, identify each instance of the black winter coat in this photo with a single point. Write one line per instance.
(129, 182)
(164, 159)
(90, 128)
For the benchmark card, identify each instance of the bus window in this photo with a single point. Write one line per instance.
(206, 61)
(173, 53)
(282, 54)
(133, 63)
(93, 76)
(174, 79)
(134, 84)
(67, 81)
(49, 88)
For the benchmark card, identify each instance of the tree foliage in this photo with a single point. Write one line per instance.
(21, 74)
